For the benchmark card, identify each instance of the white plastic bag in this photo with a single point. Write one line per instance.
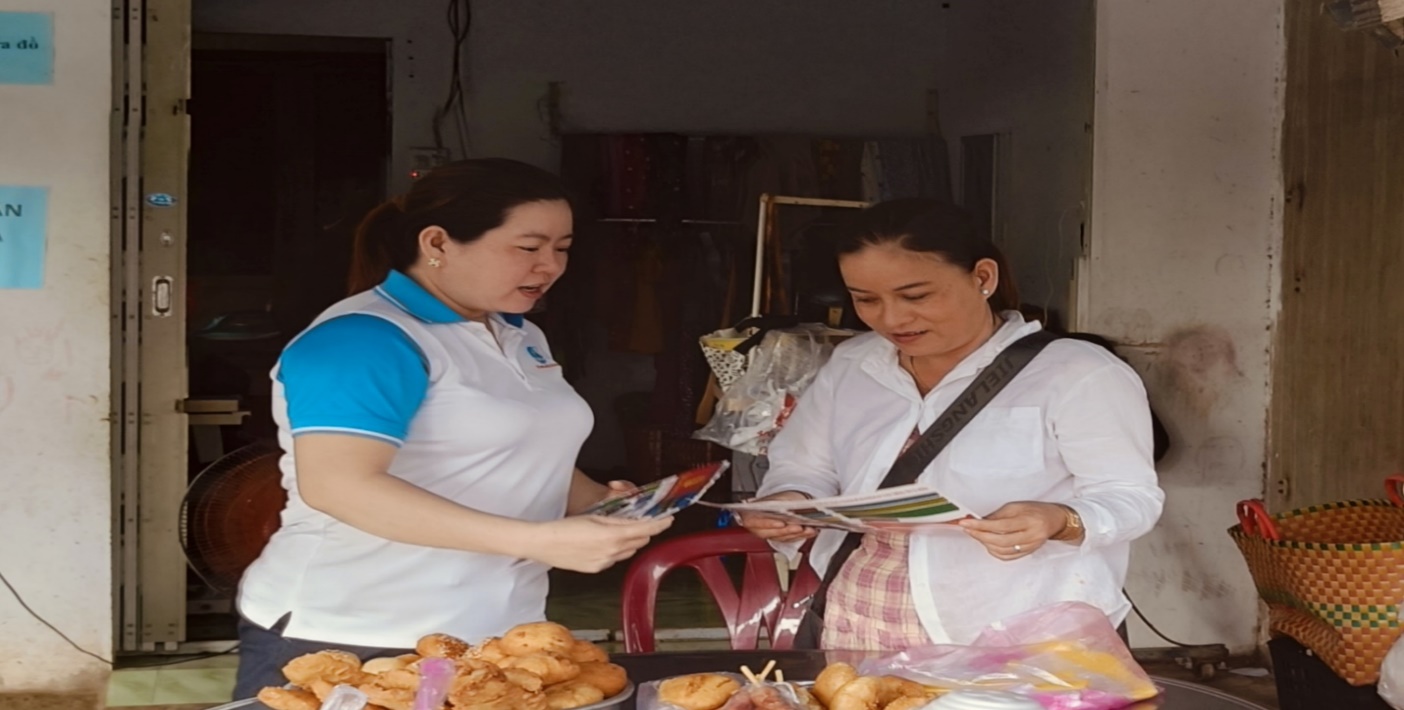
(1391, 685)
(756, 405)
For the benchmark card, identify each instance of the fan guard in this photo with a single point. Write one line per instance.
(230, 511)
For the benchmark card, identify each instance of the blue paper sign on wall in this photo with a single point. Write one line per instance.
(26, 48)
(24, 218)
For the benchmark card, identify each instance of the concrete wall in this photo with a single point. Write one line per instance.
(1186, 225)
(55, 514)
(834, 66)
(1023, 69)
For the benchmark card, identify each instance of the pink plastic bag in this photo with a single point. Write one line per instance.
(1066, 656)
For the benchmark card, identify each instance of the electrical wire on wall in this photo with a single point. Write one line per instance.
(454, 109)
(177, 660)
(25, 605)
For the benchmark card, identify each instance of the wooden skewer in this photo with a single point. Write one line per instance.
(768, 668)
(779, 676)
(750, 676)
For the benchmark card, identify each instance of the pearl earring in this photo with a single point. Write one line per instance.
(984, 292)
(434, 262)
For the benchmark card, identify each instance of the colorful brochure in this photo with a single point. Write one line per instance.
(905, 509)
(663, 497)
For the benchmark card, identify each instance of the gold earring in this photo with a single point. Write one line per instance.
(434, 262)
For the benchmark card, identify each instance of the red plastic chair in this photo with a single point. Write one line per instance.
(759, 602)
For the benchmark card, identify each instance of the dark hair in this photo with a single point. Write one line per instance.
(935, 228)
(467, 199)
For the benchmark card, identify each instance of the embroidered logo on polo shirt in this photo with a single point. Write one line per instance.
(536, 355)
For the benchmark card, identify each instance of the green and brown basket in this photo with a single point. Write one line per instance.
(1332, 576)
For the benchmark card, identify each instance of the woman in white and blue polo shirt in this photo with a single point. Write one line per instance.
(430, 438)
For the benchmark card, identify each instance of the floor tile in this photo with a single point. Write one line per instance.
(131, 687)
(201, 685)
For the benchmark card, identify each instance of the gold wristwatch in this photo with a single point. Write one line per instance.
(1072, 526)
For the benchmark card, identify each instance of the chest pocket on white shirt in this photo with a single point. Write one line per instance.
(1001, 441)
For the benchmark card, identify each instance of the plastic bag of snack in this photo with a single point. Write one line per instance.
(726, 691)
(755, 407)
(698, 691)
(1066, 656)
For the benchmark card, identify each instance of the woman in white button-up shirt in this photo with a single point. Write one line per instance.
(1057, 467)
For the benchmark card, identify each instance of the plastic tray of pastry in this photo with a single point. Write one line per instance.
(606, 704)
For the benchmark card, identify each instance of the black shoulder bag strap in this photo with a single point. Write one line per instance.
(909, 466)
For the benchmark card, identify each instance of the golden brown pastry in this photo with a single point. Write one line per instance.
(875, 693)
(609, 678)
(484, 687)
(381, 665)
(701, 691)
(402, 678)
(441, 646)
(320, 688)
(489, 650)
(586, 652)
(288, 699)
(391, 698)
(524, 679)
(572, 694)
(833, 677)
(552, 669)
(539, 637)
(335, 667)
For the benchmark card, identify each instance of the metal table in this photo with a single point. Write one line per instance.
(799, 665)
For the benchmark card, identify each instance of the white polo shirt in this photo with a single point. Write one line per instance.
(494, 428)
(1073, 427)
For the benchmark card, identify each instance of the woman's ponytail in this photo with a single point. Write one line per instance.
(377, 247)
(1006, 293)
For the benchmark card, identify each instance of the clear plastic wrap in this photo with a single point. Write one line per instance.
(1066, 656)
(344, 697)
(754, 408)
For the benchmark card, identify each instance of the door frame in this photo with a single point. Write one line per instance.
(151, 144)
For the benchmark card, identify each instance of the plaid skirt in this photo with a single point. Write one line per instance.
(869, 606)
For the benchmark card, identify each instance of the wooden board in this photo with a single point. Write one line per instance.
(1336, 420)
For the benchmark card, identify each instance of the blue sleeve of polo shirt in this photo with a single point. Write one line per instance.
(355, 374)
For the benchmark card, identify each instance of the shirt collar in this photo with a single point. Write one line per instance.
(884, 364)
(410, 297)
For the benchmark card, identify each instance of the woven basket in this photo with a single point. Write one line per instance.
(1332, 576)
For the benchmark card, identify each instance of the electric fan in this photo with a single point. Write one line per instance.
(229, 512)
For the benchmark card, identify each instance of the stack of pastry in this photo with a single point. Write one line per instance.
(539, 666)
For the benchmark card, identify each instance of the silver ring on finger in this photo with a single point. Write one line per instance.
(1018, 548)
